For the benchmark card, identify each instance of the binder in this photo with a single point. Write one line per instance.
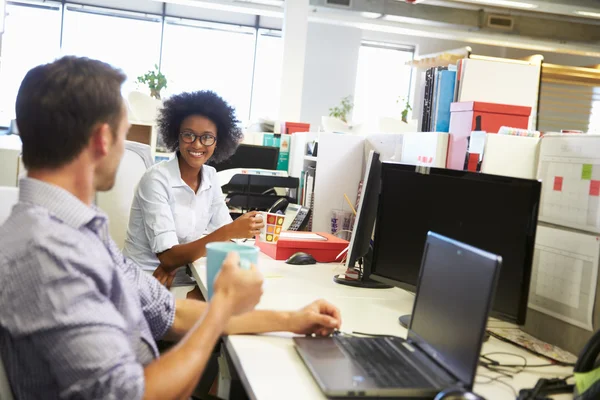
(444, 98)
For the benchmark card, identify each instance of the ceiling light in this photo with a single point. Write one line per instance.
(274, 3)
(370, 15)
(506, 3)
(588, 14)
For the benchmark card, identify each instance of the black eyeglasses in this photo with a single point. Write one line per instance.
(206, 139)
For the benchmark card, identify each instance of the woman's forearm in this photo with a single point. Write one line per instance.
(183, 254)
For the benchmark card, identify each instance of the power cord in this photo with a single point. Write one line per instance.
(496, 379)
(495, 363)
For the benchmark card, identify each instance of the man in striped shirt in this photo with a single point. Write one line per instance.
(77, 319)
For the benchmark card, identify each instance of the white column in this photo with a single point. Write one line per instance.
(295, 26)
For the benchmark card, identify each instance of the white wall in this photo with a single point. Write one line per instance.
(329, 69)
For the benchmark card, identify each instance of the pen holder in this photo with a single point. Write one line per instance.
(341, 221)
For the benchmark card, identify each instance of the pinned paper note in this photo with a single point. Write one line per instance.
(558, 183)
(594, 188)
(586, 172)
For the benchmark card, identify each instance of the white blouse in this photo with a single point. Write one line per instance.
(166, 212)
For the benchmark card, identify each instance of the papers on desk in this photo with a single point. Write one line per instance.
(525, 340)
(564, 275)
(301, 236)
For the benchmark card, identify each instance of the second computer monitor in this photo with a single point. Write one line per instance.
(250, 156)
(494, 213)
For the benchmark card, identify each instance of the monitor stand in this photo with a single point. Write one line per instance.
(405, 322)
(362, 283)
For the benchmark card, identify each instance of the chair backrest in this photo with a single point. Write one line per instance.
(143, 108)
(116, 203)
(8, 198)
(5, 390)
(10, 149)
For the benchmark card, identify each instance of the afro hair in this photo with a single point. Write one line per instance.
(207, 104)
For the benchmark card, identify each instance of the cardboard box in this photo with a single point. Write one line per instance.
(324, 251)
(292, 127)
(469, 116)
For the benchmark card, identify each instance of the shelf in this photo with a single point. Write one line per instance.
(310, 158)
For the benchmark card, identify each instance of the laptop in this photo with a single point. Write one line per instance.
(453, 299)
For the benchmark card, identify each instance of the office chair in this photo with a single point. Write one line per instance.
(116, 203)
(10, 149)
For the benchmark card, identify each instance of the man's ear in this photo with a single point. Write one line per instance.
(101, 139)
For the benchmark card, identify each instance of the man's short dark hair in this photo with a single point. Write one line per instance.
(58, 105)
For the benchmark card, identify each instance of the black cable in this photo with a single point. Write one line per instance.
(374, 334)
(524, 365)
(496, 379)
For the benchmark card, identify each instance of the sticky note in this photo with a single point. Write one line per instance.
(558, 182)
(586, 172)
(595, 188)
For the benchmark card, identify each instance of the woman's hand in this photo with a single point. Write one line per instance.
(247, 226)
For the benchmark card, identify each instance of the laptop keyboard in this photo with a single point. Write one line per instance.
(381, 361)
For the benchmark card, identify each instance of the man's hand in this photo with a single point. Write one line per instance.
(242, 289)
(320, 318)
(164, 277)
(247, 226)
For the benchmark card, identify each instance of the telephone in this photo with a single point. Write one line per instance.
(586, 372)
(296, 216)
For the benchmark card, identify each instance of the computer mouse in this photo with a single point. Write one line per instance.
(457, 394)
(301, 259)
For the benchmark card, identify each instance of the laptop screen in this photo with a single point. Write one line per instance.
(454, 295)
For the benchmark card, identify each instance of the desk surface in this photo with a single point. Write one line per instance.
(270, 368)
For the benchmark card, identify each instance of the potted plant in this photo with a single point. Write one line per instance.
(405, 110)
(155, 80)
(342, 111)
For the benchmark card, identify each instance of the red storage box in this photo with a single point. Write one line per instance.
(469, 116)
(324, 251)
(291, 127)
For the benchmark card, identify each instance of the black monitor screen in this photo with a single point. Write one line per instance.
(494, 213)
(250, 156)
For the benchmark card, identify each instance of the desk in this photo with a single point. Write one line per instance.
(269, 366)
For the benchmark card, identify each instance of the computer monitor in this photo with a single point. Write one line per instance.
(494, 213)
(360, 241)
(250, 156)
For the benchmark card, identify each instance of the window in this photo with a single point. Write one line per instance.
(31, 37)
(210, 56)
(382, 79)
(129, 41)
(267, 75)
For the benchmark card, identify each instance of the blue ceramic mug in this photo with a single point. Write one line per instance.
(216, 254)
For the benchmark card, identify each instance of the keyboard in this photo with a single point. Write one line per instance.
(381, 361)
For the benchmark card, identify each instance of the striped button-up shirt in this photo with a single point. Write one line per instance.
(77, 319)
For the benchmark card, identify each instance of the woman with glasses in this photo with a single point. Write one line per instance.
(180, 200)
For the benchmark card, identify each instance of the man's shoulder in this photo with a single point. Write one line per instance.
(44, 265)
